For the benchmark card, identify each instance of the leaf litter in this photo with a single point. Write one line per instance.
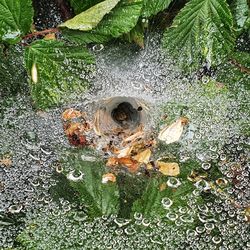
(122, 149)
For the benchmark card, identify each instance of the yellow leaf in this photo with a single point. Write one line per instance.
(168, 168)
(143, 157)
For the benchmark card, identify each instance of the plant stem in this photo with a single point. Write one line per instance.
(242, 68)
(42, 32)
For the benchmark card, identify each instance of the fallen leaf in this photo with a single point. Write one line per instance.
(6, 161)
(109, 177)
(71, 113)
(75, 133)
(172, 133)
(168, 168)
(144, 156)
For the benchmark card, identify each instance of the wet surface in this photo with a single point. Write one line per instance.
(215, 139)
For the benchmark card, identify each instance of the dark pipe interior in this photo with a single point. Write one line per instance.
(125, 114)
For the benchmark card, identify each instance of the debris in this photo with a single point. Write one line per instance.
(76, 133)
(168, 168)
(143, 157)
(132, 165)
(195, 176)
(50, 36)
(172, 133)
(71, 113)
(135, 136)
(109, 177)
(163, 186)
(124, 152)
(6, 161)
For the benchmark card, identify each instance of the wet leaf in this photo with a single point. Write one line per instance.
(98, 198)
(168, 168)
(59, 68)
(152, 7)
(90, 18)
(144, 156)
(202, 31)
(109, 177)
(120, 20)
(15, 19)
(172, 133)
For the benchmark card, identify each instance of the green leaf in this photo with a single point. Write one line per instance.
(152, 7)
(201, 32)
(99, 198)
(80, 5)
(241, 12)
(150, 204)
(15, 19)
(57, 71)
(121, 20)
(89, 19)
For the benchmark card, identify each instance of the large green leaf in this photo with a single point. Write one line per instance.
(150, 204)
(89, 19)
(121, 20)
(99, 198)
(80, 5)
(201, 32)
(57, 71)
(152, 7)
(15, 19)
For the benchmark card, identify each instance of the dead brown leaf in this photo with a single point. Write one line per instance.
(71, 113)
(168, 168)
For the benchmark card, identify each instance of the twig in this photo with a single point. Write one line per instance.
(42, 32)
(242, 68)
